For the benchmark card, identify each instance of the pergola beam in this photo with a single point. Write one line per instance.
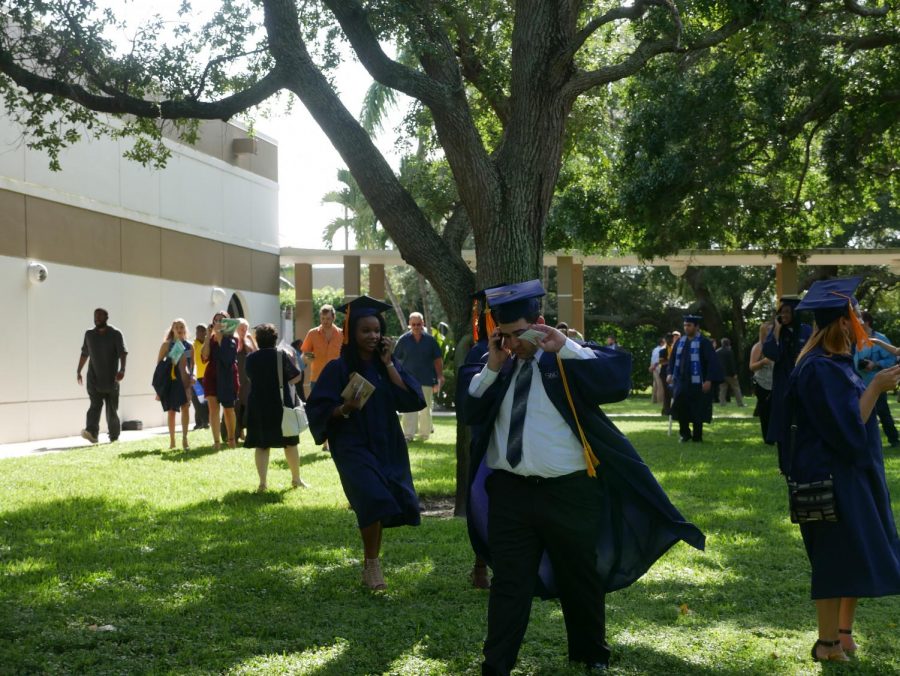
(696, 257)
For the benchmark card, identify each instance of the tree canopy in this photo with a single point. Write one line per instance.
(708, 121)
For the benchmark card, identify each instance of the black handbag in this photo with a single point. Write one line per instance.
(814, 500)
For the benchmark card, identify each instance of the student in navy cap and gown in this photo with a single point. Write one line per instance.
(564, 518)
(692, 370)
(365, 439)
(783, 346)
(837, 437)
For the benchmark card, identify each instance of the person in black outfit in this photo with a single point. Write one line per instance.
(729, 369)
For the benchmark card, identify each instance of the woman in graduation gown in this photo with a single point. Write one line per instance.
(365, 438)
(838, 437)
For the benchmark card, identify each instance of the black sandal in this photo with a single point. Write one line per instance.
(848, 632)
(833, 657)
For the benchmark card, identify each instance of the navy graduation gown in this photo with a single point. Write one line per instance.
(784, 353)
(368, 448)
(859, 555)
(641, 522)
(687, 397)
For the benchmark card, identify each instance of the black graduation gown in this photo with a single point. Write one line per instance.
(689, 399)
(368, 448)
(784, 354)
(641, 522)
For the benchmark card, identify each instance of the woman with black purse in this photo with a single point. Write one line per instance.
(851, 538)
(272, 374)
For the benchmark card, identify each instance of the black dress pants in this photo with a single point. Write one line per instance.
(527, 516)
(99, 399)
(883, 411)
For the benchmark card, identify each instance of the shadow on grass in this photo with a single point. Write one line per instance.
(265, 583)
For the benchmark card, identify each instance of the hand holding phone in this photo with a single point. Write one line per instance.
(497, 354)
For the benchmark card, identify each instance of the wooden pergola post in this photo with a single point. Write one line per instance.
(303, 299)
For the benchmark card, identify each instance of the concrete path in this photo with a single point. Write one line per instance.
(49, 446)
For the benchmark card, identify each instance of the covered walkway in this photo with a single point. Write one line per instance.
(570, 271)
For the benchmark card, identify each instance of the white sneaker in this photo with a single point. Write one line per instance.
(87, 435)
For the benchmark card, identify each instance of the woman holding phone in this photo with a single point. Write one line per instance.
(220, 382)
(364, 433)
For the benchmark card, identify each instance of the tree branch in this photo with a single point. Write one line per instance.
(859, 10)
(644, 52)
(854, 43)
(457, 228)
(473, 71)
(635, 11)
(353, 20)
(120, 103)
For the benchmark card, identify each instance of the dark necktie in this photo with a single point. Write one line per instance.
(517, 416)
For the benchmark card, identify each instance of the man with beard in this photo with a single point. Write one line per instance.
(105, 347)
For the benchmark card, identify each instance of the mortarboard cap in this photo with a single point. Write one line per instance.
(789, 300)
(361, 306)
(692, 319)
(830, 299)
(514, 301)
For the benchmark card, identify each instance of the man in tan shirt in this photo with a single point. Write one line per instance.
(321, 345)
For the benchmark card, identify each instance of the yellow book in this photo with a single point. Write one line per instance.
(358, 388)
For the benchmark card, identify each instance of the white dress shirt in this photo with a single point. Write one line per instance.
(549, 447)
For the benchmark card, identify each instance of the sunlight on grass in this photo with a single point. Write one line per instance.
(198, 574)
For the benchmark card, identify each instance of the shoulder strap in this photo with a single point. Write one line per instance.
(589, 458)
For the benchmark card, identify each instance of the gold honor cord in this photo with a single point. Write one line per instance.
(589, 458)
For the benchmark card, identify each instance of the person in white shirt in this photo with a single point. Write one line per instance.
(549, 488)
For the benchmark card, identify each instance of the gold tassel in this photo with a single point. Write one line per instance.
(589, 458)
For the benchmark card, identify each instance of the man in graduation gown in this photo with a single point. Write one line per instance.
(555, 516)
(783, 345)
(693, 368)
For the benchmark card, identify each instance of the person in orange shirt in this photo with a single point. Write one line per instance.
(321, 345)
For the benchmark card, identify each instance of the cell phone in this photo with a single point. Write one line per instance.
(382, 346)
(864, 363)
(778, 319)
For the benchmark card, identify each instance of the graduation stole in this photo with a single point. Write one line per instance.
(694, 356)
(589, 458)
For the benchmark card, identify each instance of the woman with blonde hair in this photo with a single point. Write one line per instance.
(762, 368)
(176, 393)
(833, 442)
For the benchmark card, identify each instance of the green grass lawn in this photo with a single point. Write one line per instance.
(197, 574)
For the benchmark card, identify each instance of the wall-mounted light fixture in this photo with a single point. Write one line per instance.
(37, 272)
(217, 297)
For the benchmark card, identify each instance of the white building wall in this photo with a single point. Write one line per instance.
(41, 398)
(196, 193)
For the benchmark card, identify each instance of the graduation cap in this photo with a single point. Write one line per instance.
(791, 300)
(361, 306)
(831, 299)
(510, 302)
(692, 319)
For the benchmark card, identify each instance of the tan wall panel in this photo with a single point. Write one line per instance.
(57, 232)
(141, 249)
(238, 267)
(195, 260)
(12, 224)
(266, 272)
